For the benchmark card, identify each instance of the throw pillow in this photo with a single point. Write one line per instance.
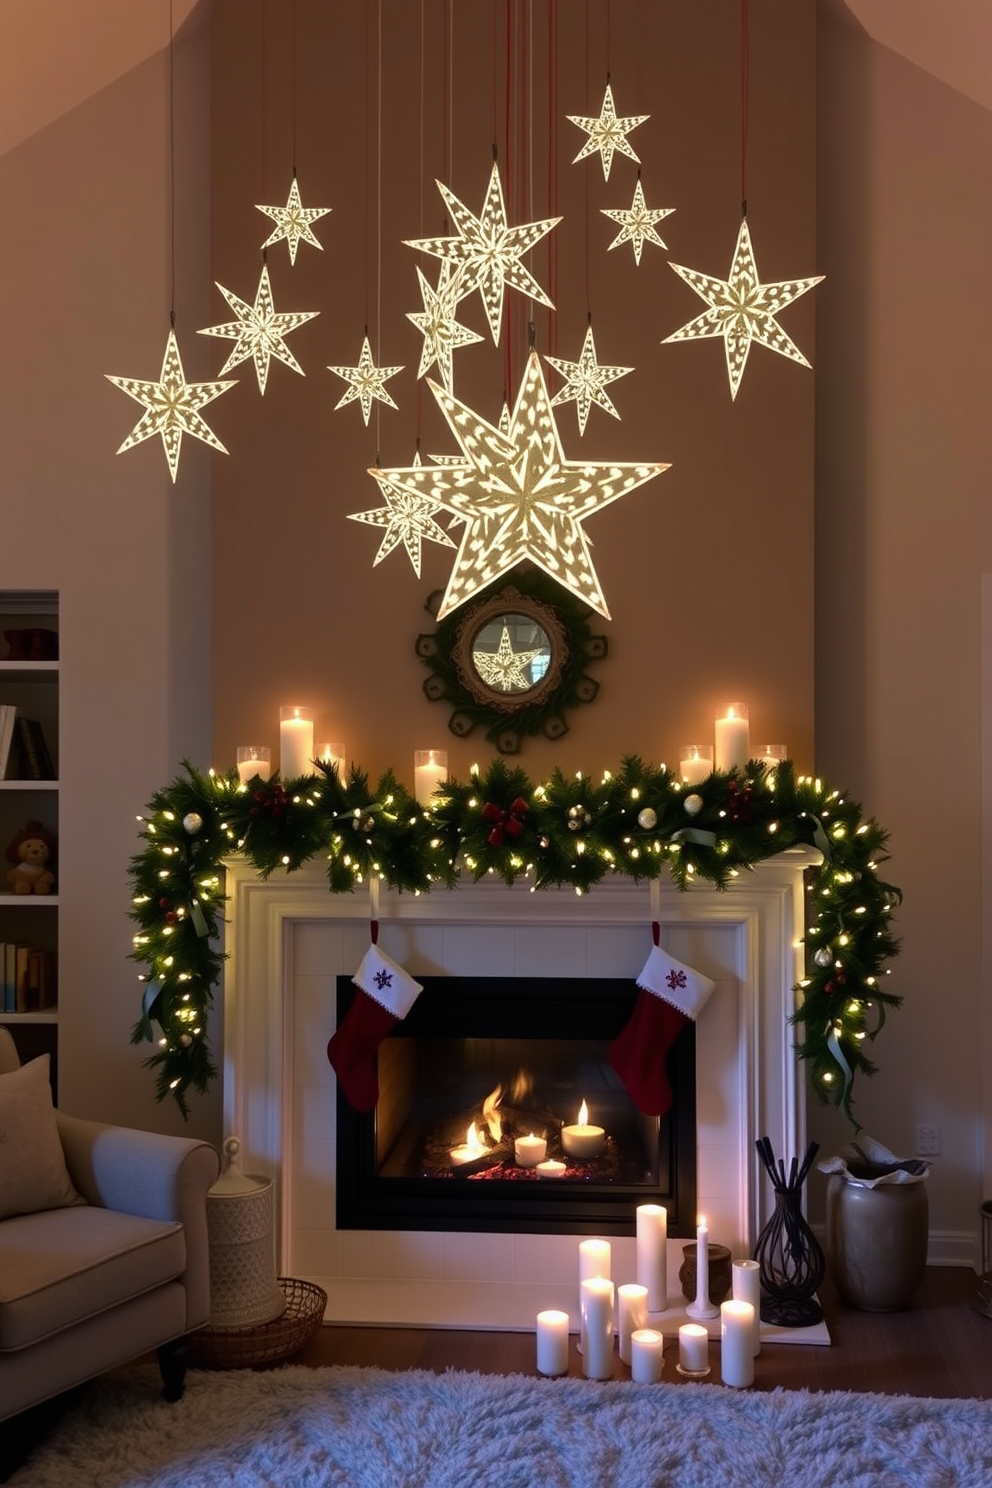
(33, 1174)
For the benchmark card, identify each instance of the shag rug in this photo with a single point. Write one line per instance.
(366, 1428)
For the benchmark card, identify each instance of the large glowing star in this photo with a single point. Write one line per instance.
(437, 324)
(487, 252)
(408, 519)
(259, 330)
(519, 497)
(586, 381)
(607, 134)
(292, 222)
(172, 407)
(505, 669)
(742, 310)
(637, 222)
(365, 382)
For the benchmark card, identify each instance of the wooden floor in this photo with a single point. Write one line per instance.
(941, 1347)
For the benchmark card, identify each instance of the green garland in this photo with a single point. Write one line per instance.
(641, 822)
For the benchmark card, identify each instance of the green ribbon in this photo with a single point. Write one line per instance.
(152, 989)
(696, 835)
(820, 838)
(199, 918)
(833, 1044)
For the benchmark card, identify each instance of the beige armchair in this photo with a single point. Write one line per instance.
(122, 1269)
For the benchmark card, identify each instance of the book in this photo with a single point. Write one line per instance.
(10, 977)
(40, 980)
(34, 760)
(8, 713)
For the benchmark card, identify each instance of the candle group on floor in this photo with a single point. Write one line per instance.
(607, 1311)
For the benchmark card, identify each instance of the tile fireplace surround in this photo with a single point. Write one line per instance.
(289, 938)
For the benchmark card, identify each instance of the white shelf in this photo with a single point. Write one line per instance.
(29, 669)
(50, 1015)
(29, 901)
(29, 785)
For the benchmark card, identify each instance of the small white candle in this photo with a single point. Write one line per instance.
(530, 1150)
(583, 1139)
(736, 1344)
(652, 1254)
(254, 759)
(470, 1149)
(333, 754)
(702, 1307)
(733, 738)
(552, 1168)
(696, 763)
(771, 754)
(694, 1348)
(632, 1313)
(597, 1327)
(430, 769)
(747, 1288)
(552, 1342)
(647, 1356)
(295, 742)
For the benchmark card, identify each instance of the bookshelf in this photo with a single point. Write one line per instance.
(29, 683)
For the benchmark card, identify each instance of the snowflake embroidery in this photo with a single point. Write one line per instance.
(676, 979)
(383, 979)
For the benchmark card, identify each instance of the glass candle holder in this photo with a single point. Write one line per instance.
(252, 760)
(771, 754)
(695, 762)
(733, 748)
(295, 741)
(430, 769)
(333, 754)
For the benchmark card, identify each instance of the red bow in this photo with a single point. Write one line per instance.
(508, 823)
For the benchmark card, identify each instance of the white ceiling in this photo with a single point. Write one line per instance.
(951, 39)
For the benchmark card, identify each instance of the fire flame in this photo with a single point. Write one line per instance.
(473, 1139)
(491, 1115)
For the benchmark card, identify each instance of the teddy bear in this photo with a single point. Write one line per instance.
(31, 852)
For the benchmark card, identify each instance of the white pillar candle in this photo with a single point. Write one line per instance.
(583, 1140)
(747, 1288)
(597, 1327)
(702, 1307)
(430, 769)
(652, 1254)
(552, 1342)
(295, 742)
(632, 1313)
(253, 759)
(595, 1259)
(694, 1348)
(736, 1344)
(696, 762)
(530, 1150)
(647, 1356)
(732, 738)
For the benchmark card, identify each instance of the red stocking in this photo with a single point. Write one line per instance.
(354, 1050)
(639, 1052)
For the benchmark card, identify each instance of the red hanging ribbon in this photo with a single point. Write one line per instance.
(509, 822)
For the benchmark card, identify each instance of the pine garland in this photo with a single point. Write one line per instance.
(642, 822)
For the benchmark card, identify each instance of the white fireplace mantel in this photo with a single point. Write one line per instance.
(289, 938)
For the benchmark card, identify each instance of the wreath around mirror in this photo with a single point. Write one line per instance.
(513, 662)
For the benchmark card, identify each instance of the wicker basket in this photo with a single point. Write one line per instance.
(264, 1343)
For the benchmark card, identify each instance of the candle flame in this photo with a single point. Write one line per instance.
(583, 1114)
(730, 712)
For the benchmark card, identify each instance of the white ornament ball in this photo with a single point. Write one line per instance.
(192, 823)
(693, 804)
(647, 818)
(824, 957)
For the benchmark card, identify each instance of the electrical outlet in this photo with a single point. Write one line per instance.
(927, 1140)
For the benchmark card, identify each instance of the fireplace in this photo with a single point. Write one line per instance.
(289, 940)
(481, 1064)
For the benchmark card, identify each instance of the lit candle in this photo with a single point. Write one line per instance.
(647, 1356)
(430, 769)
(552, 1342)
(583, 1140)
(694, 1349)
(736, 1344)
(696, 762)
(551, 1169)
(771, 754)
(732, 738)
(597, 1327)
(530, 1150)
(747, 1288)
(295, 742)
(632, 1313)
(471, 1148)
(333, 754)
(702, 1307)
(254, 759)
(652, 1254)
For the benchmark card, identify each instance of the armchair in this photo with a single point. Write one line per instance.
(118, 1268)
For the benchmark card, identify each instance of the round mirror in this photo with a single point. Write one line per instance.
(511, 653)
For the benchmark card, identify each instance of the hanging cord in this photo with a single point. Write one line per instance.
(292, 84)
(172, 174)
(378, 211)
(745, 83)
(552, 169)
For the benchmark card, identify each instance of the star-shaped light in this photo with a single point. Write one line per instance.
(637, 222)
(505, 669)
(487, 253)
(437, 324)
(172, 406)
(742, 309)
(408, 519)
(366, 381)
(259, 330)
(607, 134)
(586, 381)
(292, 222)
(519, 496)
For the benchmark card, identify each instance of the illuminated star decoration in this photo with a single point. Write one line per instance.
(259, 330)
(607, 134)
(505, 668)
(292, 222)
(437, 324)
(742, 310)
(172, 406)
(487, 253)
(637, 222)
(586, 381)
(367, 381)
(519, 496)
(408, 519)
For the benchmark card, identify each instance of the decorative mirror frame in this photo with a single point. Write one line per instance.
(510, 717)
